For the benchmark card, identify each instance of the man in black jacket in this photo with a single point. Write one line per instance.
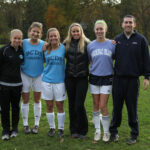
(131, 61)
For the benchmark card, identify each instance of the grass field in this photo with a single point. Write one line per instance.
(43, 142)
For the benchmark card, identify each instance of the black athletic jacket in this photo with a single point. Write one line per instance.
(77, 62)
(10, 61)
(132, 56)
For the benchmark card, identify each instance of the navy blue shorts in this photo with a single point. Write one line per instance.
(100, 80)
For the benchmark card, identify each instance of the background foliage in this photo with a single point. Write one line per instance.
(61, 13)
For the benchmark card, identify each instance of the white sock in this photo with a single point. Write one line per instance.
(61, 119)
(51, 119)
(96, 121)
(37, 113)
(100, 115)
(25, 112)
(105, 123)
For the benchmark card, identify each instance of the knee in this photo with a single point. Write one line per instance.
(60, 107)
(37, 97)
(104, 110)
(25, 98)
(50, 108)
(25, 101)
(96, 107)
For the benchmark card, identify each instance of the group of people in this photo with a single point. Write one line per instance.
(83, 59)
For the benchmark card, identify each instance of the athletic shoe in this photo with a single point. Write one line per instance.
(27, 130)
(106, 137)
(35, 129)
(82, 136)
(51, 133)
(97, 136)
(5, 137)
(75, 135)
(61, 133)
(114, 138)
(131, 141)
(13, 134)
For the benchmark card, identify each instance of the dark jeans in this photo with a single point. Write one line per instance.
(76, 90)
(125, 89)
(10, 96)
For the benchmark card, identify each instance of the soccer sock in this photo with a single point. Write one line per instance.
(100, 115)
(105, 123)
(25, 112)
(51, 119)
(37, 113)
(96, 121)
(61, 119)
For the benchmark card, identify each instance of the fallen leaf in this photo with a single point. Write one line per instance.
(61, 140)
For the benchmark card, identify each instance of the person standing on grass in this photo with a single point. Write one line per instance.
(131, 61)
(11, 57)
(100, 53)
(53, 86)
(31, 75)
(77, 79)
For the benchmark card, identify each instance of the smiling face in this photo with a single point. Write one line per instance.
(35, 33)
(128, 25)
(53, 37)
(76, 32)
(16, 39)
(100, 31)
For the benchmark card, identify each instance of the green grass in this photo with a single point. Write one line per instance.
(1, 45)
(43, 142)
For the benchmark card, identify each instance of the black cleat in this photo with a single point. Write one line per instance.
(131, 141)
(51, 133)
(114, 138)
(27, 130)
(61, 133)
(75, 135)
(35, 129)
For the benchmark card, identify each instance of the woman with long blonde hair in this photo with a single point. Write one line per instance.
(77, 79)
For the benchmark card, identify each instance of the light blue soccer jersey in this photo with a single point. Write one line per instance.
(54, 72)
(33, 58)
(100, 55)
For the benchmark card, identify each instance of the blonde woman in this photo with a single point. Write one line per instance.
(11, 57)
(31, 75)
(53, 86)
(101, 52)
(77, 79)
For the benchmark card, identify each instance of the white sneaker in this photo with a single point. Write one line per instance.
(14, 134)
(106, 137)
(97, 136)
(5, 137)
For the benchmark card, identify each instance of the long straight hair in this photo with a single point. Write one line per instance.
(82, 39)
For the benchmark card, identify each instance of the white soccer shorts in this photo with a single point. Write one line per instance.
(51, 91)
(105, 89)
(30, 82)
